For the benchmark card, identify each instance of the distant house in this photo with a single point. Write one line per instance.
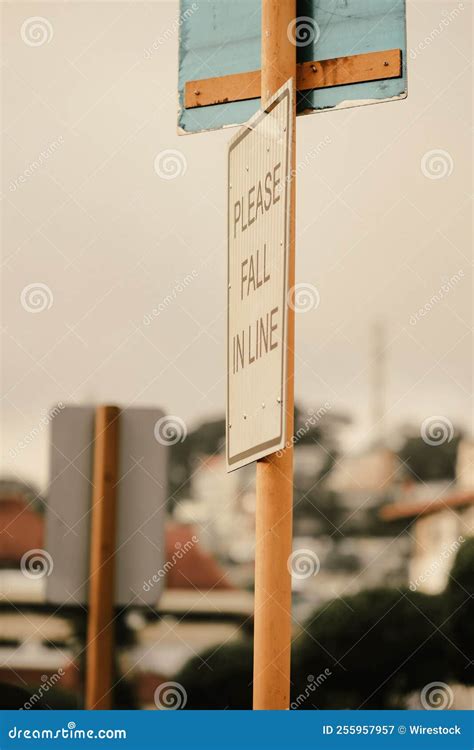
(21, 529)
(222, 509)
(35, 642)
(194, 567)
(187, 566)
(370, 476)
(440, 516)
(438, 529)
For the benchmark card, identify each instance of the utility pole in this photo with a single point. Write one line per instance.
(274, 512)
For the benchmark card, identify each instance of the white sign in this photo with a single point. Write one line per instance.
(258, 249)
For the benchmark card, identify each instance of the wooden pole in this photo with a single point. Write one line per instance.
(100, 632)
(274, 513)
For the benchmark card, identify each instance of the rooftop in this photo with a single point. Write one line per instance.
(416, 508)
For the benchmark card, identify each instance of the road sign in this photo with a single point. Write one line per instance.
(258, 238)
(141, 498)
(348, 56)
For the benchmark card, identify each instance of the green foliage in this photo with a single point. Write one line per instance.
(33, 697)
(11, 487)
(373, 648)
(430, 462)
(219, 678)
(208, 438)
(458, 613)
(379, 645)
(314, 429)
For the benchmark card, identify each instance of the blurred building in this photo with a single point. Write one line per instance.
(438, 529)
(222, 509)
(465, 465)
(200, 608)
(440, 516)
(366, 476)
(307, 463)
(21, 528)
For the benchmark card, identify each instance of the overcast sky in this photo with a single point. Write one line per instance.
(101, 239)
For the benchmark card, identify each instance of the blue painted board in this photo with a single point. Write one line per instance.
(218, 37)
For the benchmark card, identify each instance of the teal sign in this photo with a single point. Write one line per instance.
(220, 37)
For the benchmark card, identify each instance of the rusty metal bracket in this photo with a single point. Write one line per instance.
(339, 71)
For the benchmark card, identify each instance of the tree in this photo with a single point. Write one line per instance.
(383, 644)
(428, 462)
(458, 613)
(377, 645)
(317, 427)
(208, 438)
(221, 678)
(369, 650)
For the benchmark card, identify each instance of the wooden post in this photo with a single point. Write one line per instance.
(100, 632)
(272, 634)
